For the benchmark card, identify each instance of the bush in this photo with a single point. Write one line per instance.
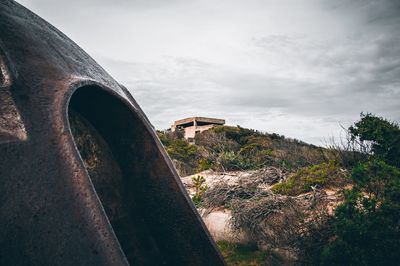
(316, 176)
(200, 186)
(383, 135)
(204, 164)
(225, 148)
(284, 188)
(238, 254)
(367, 223)
(186, 157)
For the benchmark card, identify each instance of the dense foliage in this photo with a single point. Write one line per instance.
(382, 135)
(242, 255)
(327, 174)
(367, 225)
(365, 228)
(227, 148)
(200, 186)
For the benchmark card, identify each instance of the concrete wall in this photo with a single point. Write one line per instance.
(193, 125)
(190, 132)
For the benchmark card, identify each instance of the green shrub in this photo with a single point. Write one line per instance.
(238, 254)
(383, 135)
(320, 175)
(204, 164)
(285, 188)
(229, 161)
(200, 186)
(181, 150)
(367, 223)
(225, 148)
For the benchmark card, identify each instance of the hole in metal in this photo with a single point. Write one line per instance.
(102, 132)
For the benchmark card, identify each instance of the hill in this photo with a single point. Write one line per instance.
(240, 178)
(226, 148)
(269, 200)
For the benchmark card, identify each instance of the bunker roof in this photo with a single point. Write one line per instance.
(205, 120)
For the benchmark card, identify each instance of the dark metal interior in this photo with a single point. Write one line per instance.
(107, 194)
(123, 163)
(104, 133)
(110, 180)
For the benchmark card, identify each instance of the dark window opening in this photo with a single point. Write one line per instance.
(190, 124)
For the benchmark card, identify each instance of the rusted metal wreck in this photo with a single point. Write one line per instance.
(84, 179)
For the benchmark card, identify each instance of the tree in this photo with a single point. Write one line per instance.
(383, 135)
(200, 186)
(367, 224)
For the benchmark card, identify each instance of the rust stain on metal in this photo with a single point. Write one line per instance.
(11, 126)
(84, 178)
(5, 79)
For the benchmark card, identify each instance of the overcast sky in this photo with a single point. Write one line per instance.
(300, 68)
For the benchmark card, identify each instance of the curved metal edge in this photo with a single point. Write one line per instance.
(133, 106)
(116, 255)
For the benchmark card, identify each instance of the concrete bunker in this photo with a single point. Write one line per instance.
(194, 125)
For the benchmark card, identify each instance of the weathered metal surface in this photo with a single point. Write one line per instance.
(83, 178)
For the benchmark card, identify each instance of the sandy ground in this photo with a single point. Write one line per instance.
(217, 220)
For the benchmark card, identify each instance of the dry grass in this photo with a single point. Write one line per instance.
(249, 186)
(296, 225)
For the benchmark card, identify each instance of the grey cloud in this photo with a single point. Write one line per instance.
(115, 4)
(297, 71)
(168, 91)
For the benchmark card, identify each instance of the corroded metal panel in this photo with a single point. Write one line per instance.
(84, 178)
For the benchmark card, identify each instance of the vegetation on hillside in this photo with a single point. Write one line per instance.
(367, 224)
(361, 228)
(323, 175)
(243, 255)
(226, 148)
(200, 186)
